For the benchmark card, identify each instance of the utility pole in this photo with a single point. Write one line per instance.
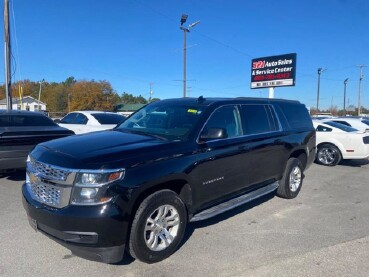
(39, 94)
(185, 31)
(344, 96)
(361, 78)
(320, 70)
(8, 82)
(150, 98)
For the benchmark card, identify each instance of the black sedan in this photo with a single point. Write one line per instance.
(20, 131)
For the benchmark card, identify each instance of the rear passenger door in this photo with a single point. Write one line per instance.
(263, 152)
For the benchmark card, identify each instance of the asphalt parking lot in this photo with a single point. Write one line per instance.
(323, 232)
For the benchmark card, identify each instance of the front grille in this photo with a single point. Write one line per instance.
(366, 140)
(48, 171)
(47, 194)
(49, 184)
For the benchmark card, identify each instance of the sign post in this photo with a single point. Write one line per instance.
(273, 71)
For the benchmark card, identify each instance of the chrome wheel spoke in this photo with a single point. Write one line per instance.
(168, 236)
(149, 228)
(173, 220)
(164, 239)
(160, 213)
(161, 227)
(154, 243)
(295, 179)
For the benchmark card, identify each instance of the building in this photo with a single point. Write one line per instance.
(127, 109)
(28, 103)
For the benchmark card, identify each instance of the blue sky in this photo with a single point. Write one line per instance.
(134, 42)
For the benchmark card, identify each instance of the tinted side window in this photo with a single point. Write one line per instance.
(342, 122)
(80, 119)
(255, 119)
(225, 118)
(365, 121)
(68, 119)
(296, 114)
(321, 128)
(25, 120)
(107, 118)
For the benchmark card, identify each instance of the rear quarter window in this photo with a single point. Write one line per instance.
(296, 115)
(103, 118)
(365, 121)
(342, 122)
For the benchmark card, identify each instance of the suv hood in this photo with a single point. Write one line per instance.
(99, 149)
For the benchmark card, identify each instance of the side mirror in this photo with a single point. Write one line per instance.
(57, 120)
(213, 133)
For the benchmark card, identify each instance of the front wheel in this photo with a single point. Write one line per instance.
(328, 155)
(158, 227)
(291, 182)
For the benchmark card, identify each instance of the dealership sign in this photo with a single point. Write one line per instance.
(275, 71)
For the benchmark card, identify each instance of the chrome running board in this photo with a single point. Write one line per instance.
(234, 202)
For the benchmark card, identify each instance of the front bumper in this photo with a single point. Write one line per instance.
(92, 232)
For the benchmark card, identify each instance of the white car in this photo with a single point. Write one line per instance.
(360, 123)
(90, 121)
(336, 141)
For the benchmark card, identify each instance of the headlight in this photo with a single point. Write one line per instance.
(90, 186)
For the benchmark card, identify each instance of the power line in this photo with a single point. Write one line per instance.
(199, 33)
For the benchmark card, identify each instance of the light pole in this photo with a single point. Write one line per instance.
(344, 96)
(361, 78)
(185, 31)
(320, 70)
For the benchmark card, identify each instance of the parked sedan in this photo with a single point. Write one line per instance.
(89, 121)
(20, 131)
(360, 123)
(336, 141)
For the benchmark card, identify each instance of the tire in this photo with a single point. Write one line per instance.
(328, 155)
(291, 182)
(158, 227)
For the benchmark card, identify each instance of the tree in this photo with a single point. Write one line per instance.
(127, 98)
(92, 95)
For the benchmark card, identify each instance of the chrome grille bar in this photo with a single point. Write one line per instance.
(49, 184)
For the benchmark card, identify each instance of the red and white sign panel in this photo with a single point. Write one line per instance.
(274, 71)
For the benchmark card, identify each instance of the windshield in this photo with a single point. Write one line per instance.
(172, 122)
(340, 126)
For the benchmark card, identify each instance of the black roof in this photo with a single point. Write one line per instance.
(212, 100)
(18, 112)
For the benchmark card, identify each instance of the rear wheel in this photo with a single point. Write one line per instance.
(158, 227)
(328, 155)
(291, 182)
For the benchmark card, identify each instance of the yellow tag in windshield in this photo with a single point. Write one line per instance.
(191, 111)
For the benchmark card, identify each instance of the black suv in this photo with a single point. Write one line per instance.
(135, 187)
